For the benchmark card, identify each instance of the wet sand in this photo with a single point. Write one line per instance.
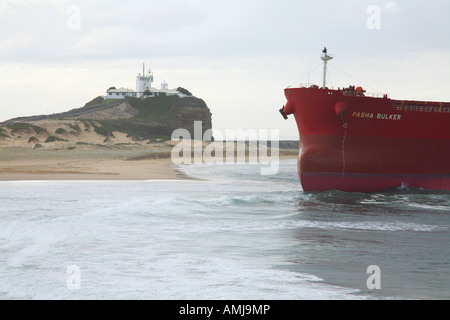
(95, 162)
(20, 164)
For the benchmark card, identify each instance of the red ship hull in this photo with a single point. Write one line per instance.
(354, 143)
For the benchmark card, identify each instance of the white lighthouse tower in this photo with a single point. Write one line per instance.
(143, 82)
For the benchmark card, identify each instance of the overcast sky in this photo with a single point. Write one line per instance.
(237, 55)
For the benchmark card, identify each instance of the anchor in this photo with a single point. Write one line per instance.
(283, 113)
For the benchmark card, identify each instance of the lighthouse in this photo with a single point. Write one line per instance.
(143, 88)
(143, 82)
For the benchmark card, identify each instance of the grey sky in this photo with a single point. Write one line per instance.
(236, 55)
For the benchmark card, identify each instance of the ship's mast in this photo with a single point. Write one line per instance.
(325, 58)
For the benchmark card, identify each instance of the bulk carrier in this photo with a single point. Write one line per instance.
(353, 141)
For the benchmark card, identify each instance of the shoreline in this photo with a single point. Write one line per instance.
(24, 164)
(137, 163)
(158, 169)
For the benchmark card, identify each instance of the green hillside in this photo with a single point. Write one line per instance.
(158, 117)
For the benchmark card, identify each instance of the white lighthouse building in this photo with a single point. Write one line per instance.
(144, 88)
(143, 82)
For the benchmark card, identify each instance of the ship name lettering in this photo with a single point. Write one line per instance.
(363, 115)
(380, 116)
(385, 116)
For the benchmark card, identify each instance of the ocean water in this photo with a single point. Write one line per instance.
(229, 234)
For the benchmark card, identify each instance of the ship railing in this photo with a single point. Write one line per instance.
(346, 91)
(421, 108)
(308, 85)
(375, 94)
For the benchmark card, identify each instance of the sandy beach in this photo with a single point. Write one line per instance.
(130, 162)
(20, 164)
(27, 154)
(88, 170)
(77, 152)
